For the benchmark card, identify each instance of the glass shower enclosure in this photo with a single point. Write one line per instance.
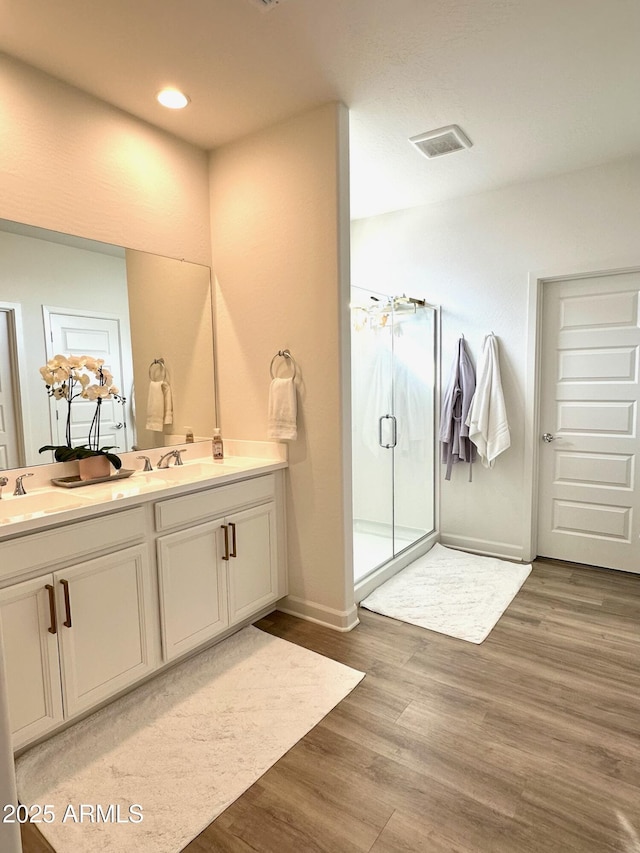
(393, 342)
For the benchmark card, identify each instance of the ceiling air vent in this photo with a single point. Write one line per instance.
(444, 140)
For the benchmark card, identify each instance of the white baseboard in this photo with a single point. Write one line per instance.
(486, 547)
(338, 620)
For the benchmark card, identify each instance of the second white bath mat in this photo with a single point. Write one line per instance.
(451, 592)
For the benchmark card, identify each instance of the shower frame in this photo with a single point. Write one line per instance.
(382, 572)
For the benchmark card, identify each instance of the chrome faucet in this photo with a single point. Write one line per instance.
(3, 482)
(147, 463)
(167, 456)
(178, 455)
(19, 489)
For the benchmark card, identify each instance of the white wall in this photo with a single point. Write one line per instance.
(473, 256)
(71, 163)
(279, 221)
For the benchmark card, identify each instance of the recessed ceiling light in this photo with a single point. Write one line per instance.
(174, 99)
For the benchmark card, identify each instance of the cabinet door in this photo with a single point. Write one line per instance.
(253, 570)
(105, 625)
(193, 591)
(31, 658)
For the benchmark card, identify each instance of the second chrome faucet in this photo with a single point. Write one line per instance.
(20, 489)
(176, 454)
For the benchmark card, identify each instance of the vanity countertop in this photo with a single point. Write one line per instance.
(50, 505)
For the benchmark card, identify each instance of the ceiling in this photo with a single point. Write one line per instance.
(540, 86)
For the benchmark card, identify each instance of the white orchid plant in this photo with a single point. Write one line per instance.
(73, 376)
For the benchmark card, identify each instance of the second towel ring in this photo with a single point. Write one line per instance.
(283, 353)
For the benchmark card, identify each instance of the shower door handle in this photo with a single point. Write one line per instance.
(385, 418)
(395, 429)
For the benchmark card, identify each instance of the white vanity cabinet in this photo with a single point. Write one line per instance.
(91, 605)
(77, 635)
(216, 573)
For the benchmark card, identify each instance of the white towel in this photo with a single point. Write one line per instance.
(159, 406)
(168, 403)
(282, 412)
(487, 418)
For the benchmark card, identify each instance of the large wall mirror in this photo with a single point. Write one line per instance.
(149, 317)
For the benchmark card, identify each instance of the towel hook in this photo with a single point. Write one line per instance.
(159, 361)
(283, 353)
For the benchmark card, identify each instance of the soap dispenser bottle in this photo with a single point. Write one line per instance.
(218, 446)
(189, 439)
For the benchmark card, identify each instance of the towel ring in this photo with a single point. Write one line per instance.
(283, 353)
(159, 361)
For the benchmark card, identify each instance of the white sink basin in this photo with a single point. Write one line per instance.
(187, 473)
(36, 504)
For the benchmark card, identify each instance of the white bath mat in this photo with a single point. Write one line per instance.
(451, 592)
(180, 748)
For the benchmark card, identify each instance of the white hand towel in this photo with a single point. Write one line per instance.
(159, 406)
(282, 413)
(487, 418)
(155, 407)
(168, 403)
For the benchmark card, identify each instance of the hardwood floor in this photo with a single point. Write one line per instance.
(528, 743)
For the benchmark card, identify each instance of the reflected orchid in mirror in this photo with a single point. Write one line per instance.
(70, 377)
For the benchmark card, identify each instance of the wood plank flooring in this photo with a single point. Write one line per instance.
(528, 743)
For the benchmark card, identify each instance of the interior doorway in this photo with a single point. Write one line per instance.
(588, 442)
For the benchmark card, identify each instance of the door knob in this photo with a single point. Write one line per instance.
(119, 425)
(548, 437)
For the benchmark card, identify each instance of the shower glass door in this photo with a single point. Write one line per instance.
(413, 403)
(393, 388)
(372, 424)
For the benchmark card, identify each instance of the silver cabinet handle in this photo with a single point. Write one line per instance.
(548, 437)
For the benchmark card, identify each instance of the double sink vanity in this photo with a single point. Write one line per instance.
(104, 585)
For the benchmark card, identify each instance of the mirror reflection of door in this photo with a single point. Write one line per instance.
(98, 336)
(10, 444)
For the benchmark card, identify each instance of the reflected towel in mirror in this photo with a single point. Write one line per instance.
(159, 406)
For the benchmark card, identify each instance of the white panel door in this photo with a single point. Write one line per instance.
(589, 506)
(99, 337)
(9, 440)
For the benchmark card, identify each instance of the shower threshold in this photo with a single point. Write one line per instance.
(374, 545)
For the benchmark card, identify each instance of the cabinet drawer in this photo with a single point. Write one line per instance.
(70, 542)
(213, 502)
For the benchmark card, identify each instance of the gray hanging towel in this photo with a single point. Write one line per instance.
(454, 433)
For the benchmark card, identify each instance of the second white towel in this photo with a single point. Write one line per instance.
(487, 419)
(283, 411)
(159, 406)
